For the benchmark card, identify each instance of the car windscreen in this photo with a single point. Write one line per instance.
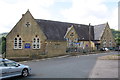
(2, 64)
(7, 63)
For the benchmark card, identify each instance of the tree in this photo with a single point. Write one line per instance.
(3, 46)
(0, 45)
(116, 35)
(118, 40)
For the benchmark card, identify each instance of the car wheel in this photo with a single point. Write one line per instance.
(25, 72)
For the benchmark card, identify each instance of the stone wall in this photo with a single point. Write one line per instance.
(56, 48)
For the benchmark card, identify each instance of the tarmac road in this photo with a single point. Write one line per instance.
(79, 66)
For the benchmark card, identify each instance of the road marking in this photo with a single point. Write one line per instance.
(48, 58)
(60, 57)
(85, 55)
(37, 60)
(77, 56)
(94, 54)
(43, 59)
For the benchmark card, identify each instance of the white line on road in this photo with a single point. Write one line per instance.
(43, 59)
(94, 54)
(84, 55)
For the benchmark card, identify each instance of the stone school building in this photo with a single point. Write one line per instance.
(53, 38)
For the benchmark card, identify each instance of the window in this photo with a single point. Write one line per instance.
(67, 39)
(72, 34)
(81, 44)
(17, 42)
(27, 24)
(57, 45)
(104, 43)
(76, 40)
(36, 43)
(7, 63)
(110, 43)
(71, 44)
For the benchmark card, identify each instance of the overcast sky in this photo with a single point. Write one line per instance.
(75, 11)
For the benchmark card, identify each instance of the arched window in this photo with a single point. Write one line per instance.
(104, 43)
(110, 43)
(17, 42)
(36, 43)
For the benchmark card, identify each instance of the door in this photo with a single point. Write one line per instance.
(14, 71)
(4, 70)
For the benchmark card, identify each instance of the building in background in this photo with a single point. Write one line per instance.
(53, 38)
(103, 36)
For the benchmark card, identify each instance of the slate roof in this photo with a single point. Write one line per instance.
(98, 31)
(55, 30)
(83, 31)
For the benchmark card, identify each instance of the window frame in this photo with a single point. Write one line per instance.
(18, 43)
(36, 43)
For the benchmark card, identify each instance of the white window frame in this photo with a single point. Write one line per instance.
(104, 43)
(81, 44)
(36, 43)
(67, 39)
(110, 43)
(76, 39)
(17, 42)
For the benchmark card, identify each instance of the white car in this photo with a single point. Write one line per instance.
(104, 49)
(9, 68)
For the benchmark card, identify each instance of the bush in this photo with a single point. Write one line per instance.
(73, 54)
(2, 45)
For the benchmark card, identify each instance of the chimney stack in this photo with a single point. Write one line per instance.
(22, 15)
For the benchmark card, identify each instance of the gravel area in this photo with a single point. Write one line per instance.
(110, 57)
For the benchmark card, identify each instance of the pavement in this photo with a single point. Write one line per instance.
(105, 69)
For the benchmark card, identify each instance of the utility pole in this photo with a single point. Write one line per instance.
(89, 37)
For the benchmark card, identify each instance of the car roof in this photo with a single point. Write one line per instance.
(1, 59)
